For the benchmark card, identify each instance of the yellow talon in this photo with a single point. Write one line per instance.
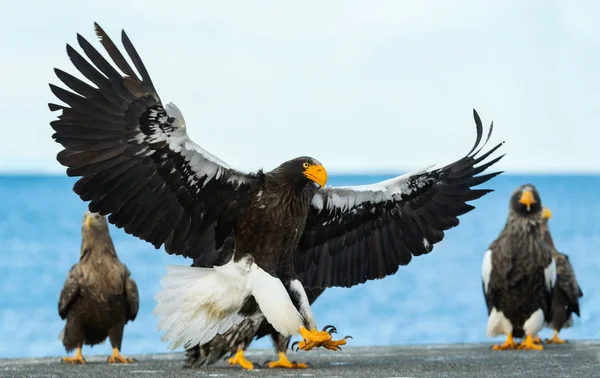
(76, 359)
(555, 339)
(508, 344)
(314, 335)
(118, 358)
(239, 359)
(315, 339)
(528, 344)
(283, 362)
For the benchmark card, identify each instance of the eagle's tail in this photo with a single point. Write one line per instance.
(195, 304)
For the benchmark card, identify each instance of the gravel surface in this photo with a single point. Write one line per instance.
(575, 359)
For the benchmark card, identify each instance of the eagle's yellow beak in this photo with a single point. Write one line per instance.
(546, 213)
(527, 199)
(316, 173)
(88, 222)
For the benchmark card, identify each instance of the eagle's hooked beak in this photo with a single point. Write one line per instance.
(546, 213)
(88, 222)
(527, 199)
(316, 173)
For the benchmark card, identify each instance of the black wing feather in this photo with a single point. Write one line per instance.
(357, 234)
(134, 157)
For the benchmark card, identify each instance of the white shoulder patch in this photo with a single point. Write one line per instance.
(550, 275)
(173, 111)
(486, 269)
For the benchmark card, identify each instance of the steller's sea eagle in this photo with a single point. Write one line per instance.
(565, 299)
(519, 273)
(271, 230)
(99, 296)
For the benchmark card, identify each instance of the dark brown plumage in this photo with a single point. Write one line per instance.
(519, 273)
(258, 238)
(565, 300)
(99, 296)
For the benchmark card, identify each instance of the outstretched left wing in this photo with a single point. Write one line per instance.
(136, 160)
(359, 233)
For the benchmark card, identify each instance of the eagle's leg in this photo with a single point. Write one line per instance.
(528, 344)
(555, 339)
(115, 334)
(508, 344)
(76, 359)
(281, 345)
(239, 359)
(312, 337)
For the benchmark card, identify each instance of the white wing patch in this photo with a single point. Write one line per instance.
(173, 111)
(550, 275)
(486, 269)
(349, 197)
(200, 161)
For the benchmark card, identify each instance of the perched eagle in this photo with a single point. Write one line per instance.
(565, 300)
(99, 296)
(519, 273)
(272, 232)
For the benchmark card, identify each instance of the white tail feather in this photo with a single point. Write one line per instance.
(195, 304)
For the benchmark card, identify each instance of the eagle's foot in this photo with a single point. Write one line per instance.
(555, 339)
(239, 359)
(528, 344)
(537, 340)
(76, 359)
(508, 344)
(283, 362)
(315, 339)
(118, 358)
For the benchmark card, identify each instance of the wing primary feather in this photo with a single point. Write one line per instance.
(137, 61)
(114, 52)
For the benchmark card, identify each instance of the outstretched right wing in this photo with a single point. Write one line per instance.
(136, 159)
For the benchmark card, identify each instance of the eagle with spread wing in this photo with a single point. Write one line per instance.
(272, 232)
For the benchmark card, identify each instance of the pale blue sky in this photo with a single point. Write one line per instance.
(359, 85)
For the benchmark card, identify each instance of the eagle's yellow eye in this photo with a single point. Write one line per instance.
(305, 165)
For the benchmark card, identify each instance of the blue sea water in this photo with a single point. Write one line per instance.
(437, 298)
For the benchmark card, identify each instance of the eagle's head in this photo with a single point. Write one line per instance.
(302, 171)
(94, 221)
(525, 201)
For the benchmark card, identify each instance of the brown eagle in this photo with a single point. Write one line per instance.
(519, 274)
(99, 296)
(273, 233)
(565, 299)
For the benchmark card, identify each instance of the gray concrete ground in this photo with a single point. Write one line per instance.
(576, 359)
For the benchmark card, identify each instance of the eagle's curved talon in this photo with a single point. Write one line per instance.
(329, 329)
(295, 344)
(348, 337)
